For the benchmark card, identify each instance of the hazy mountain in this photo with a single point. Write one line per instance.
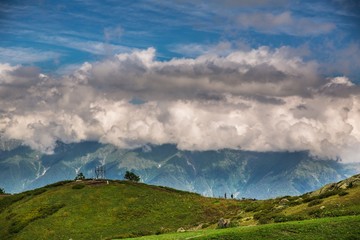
(210, 173)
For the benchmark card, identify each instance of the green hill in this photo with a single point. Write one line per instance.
(95, 210)
(339, 228)
(119, 209)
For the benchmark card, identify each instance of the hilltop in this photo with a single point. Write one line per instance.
(98, 209)
(119, 209)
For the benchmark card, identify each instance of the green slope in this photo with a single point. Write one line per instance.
(338, 228)
(95, 210)
(120, 209)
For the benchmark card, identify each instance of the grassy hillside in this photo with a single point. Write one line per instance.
(339, 228)
(95, 210)
(120, 209)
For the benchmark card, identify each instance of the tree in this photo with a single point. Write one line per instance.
(2, 191)
(80, 176)
(131, 176)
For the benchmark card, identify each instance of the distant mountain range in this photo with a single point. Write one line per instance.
(210, 173)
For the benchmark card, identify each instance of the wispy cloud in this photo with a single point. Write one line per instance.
(194, 49)
(19, 55)
(94, 47)
(283, 23)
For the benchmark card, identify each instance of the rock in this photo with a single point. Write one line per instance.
(344, 184)
(223, 223)
(284, 201)
(180, 230)
(279, 207)
(322, 207)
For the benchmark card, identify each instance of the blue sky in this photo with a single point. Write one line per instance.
(55, 34)
(258, 75)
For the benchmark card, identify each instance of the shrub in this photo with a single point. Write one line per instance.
(48, 210)
(38, 191)
(16, 227)
(10, 216)
(315, 202)
(78, 186)
(309, 199)
(263, 217)
(330, 193)
(205, 225)
(342, 193)
(57, 184)
(80, 176)
(2, 191)
(7, 201)
(322, 195)
(284, 218)
(316, 213)
(162, 230)
(131, 176)
(252, 207)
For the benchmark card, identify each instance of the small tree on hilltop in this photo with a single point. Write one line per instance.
(2, 191)
(131, 176)
(80, 176)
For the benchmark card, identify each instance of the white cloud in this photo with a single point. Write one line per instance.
(194, 50)
(283, 23)
(259, 100)
(94, 47)
(19, 55)
(113, 33)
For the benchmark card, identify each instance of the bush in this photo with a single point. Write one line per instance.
(316, 213)
(328, 194)
(263, 217)
(2, 191)
(322, 195)
(80, 176)
(343, 193)
(38, 191)
(58, 184)
(78, 186)
(315, 202)
(49, 210)
(252, 207)
(284, 218)
(7, 201)
(131, 176)
(16, 227)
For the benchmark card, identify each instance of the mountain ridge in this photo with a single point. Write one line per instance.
(210, 173)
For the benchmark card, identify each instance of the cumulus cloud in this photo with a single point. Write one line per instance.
(261, 100)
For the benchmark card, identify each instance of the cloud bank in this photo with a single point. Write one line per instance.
(261, 100)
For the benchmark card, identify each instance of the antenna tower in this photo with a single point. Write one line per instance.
(100, 172)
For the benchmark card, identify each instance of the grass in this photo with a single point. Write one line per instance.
(95, 210)
(325, 228)
(121, 209)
